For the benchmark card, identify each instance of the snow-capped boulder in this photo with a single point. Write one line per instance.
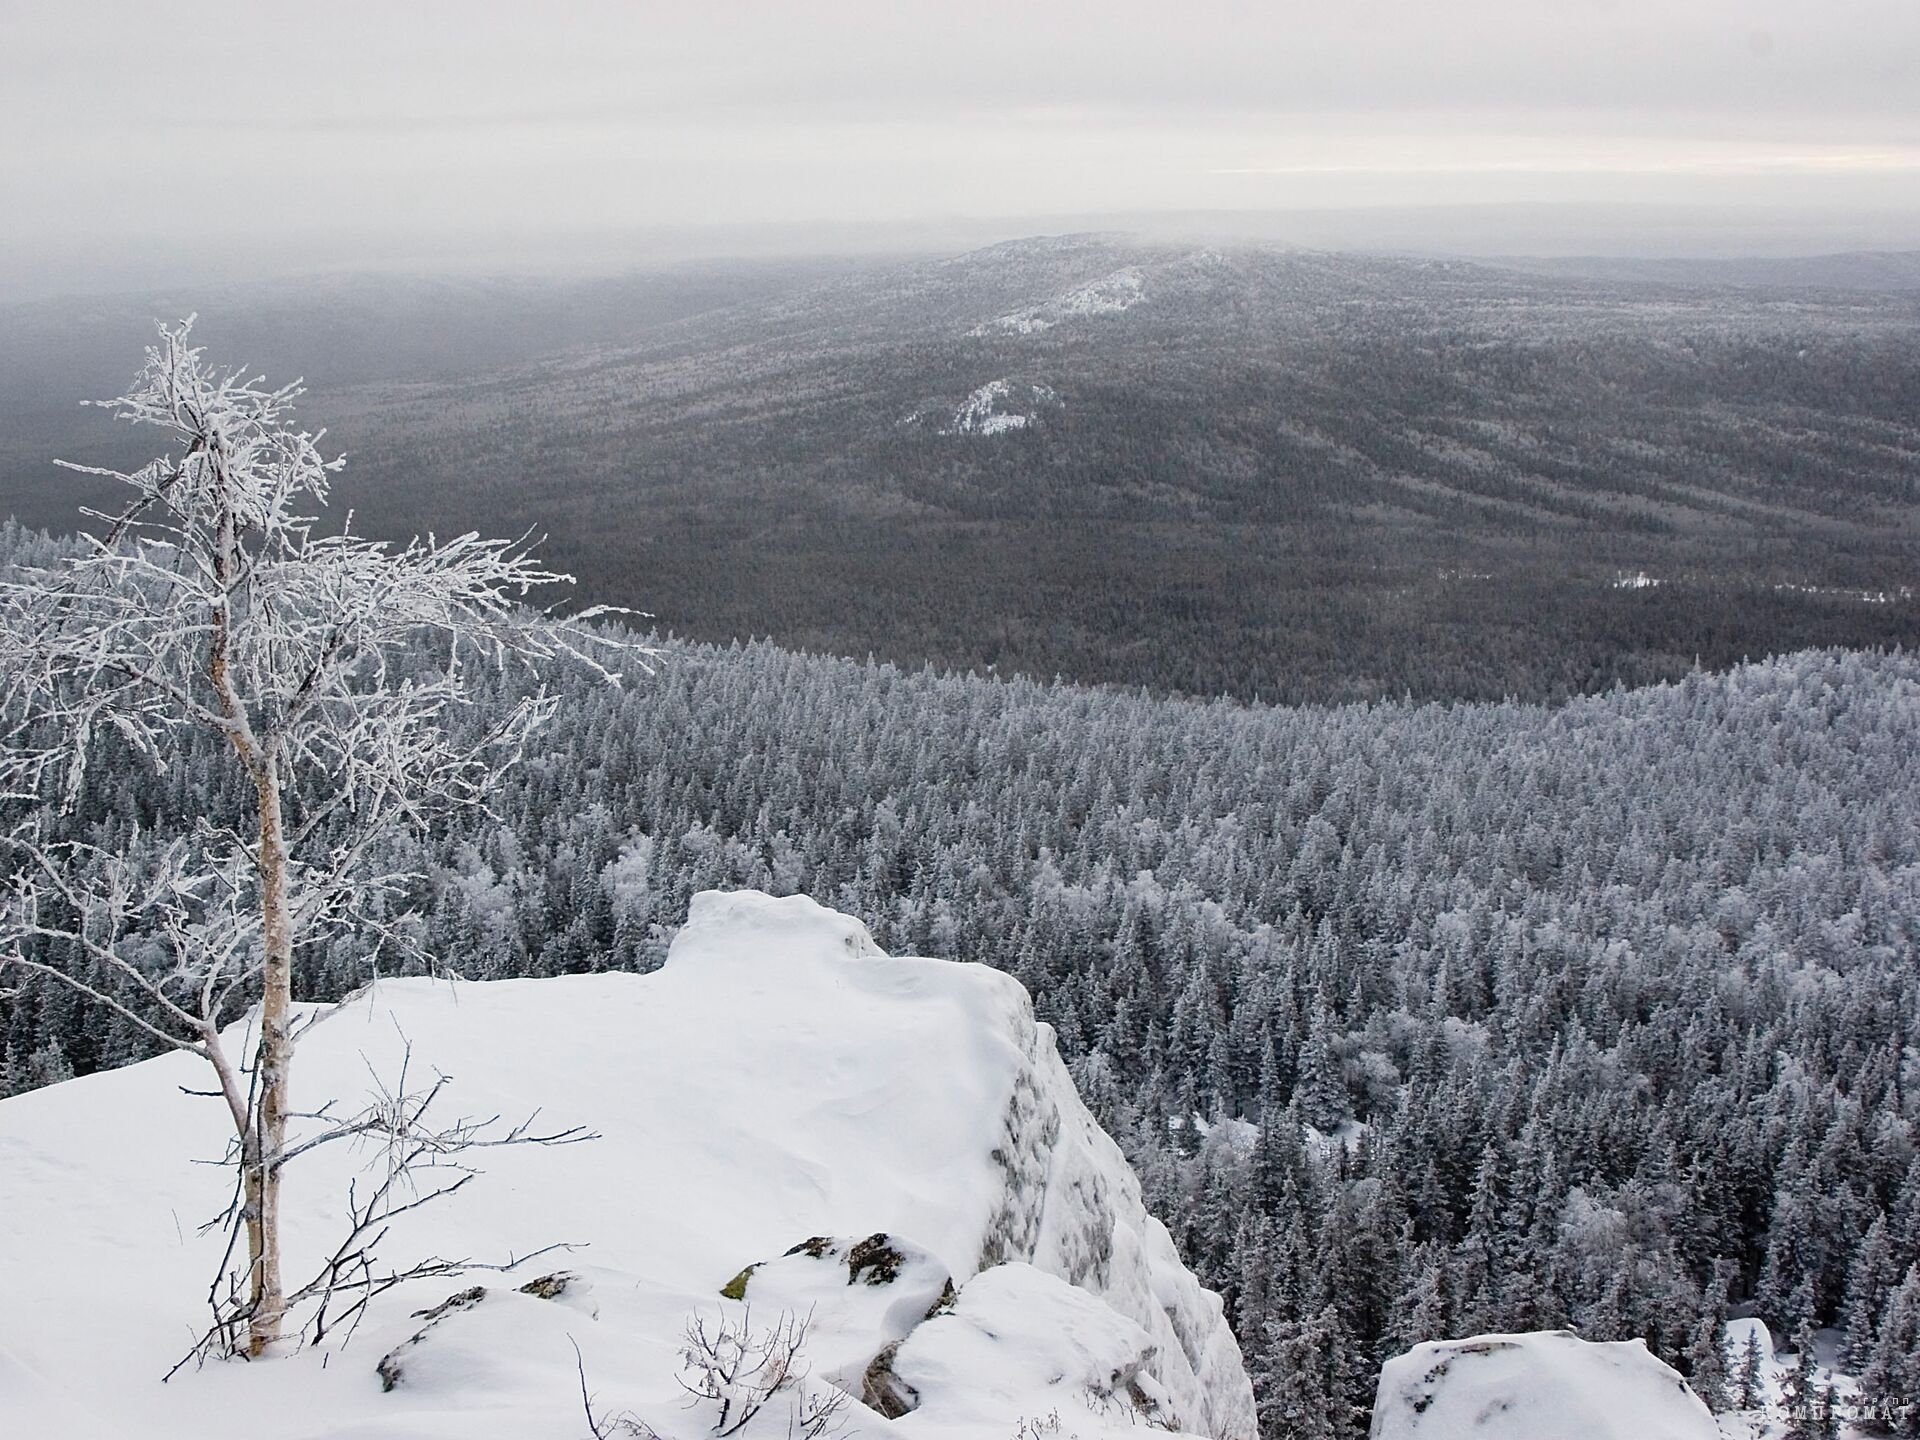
(1020, 1344)
(1034, 1178)
(475, 1355)
(861, 1296)
(780, 1078)
(1547, 1385)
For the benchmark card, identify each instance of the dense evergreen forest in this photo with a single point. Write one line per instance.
(1418, 1020)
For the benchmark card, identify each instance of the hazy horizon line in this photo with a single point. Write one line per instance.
(1489, 229)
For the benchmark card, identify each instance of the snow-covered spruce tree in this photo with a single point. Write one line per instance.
(1800, 1388)
(1707, 1364)
(1750, 1381)
(213, 600)
(1890, 1384)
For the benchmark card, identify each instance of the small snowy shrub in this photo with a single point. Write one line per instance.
(730, 1364)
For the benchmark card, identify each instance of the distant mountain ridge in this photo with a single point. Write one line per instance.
(1261, 472)
(1889, 270)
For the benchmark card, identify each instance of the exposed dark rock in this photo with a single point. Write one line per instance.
(874, 1260)
(945, 1303)
(460, 1300)
(549, 1287)
(389, 1368)
(885, 1392)
(392, 1366)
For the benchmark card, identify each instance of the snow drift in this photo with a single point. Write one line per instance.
(890, 1147)
(1547, 1385)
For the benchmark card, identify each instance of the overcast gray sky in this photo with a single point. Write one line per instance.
(210, 124)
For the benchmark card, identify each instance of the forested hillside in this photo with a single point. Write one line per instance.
(1418, 1020)
(1277, 474)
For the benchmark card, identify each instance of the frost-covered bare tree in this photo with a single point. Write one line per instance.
(214, 599)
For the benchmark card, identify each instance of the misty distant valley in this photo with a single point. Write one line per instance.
(1296, 476)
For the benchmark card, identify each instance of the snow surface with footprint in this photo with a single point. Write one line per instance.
(780, 1079)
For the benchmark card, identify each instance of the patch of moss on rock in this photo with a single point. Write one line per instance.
(736, 1288)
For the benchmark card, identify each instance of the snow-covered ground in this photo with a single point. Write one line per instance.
(779, 1084)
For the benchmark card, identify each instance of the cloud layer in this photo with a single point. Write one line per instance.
(218, 120)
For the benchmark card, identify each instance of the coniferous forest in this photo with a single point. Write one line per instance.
(1417, 1020)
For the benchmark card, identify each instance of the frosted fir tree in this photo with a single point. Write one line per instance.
(1800, 1388)
(1890, 1385)
(214, 601)
(1871, 1279)
(1707, 1364)
(1296, 1377)
(1750, 1385)
(1827, 1415)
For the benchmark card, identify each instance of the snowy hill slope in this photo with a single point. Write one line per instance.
(1547, 1385)
(779, 1083)
(1106, 295)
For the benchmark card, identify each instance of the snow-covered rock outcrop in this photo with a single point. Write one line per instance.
(1547, 1385)
(993, 409)
(786, 1116)
(1015, 1332)
(960, 1080)
(987, 411)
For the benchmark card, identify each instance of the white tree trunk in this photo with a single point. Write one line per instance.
(266, 1138)
(267, 1306)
